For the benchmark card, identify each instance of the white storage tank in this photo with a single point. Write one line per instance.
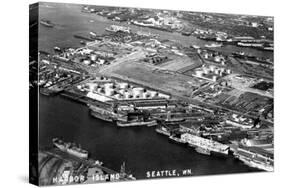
(93, 57)
(93, 86)
(109, 91)
(217, 71)
(86, 62)
(122, 91)
(118, 96)
(205, 70)
(212, 68)
(123, 85)
(146, 95)
(108, 85)
(198, 73)
(153, 94)
(127, 95)
(99, 90)
(137, 91)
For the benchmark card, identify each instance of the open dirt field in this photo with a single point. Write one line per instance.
(150, 76)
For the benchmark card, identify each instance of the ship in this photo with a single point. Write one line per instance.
(213, 45)
(106, 112)
(255, 157)
(116, 28)
(204, 151)
(152, 26)
(163, 130)
(186, 33)
(46, 23)
(203, 145)
(93, 34)
(177, 139)
(136, 123)
(70, 148)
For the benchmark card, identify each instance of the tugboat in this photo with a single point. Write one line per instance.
(70, 148)
(46, 23)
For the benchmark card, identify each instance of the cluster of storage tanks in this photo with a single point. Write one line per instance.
(213, 71)
(121, 90)
(93, 58)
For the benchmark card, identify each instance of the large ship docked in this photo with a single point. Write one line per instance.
(137, 118)
(106, 112)
(203, 145)
(255, 157)
(136, 123)
(116, 28)
(70, 148)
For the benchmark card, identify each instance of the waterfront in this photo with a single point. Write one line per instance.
(140, 147)
(69, 20)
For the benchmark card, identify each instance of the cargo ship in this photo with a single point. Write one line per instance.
(46, 23)
(116, 28)
(204, 151)
(203, 145)
(106, 112)
(255, 157)
(151, 25)
(70, 148)
(177, 139)
(149, 123)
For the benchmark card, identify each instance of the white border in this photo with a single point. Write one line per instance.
(14, 90)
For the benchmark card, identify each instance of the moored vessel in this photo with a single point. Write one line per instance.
(136, 123)
(205, 144)
(70, 148)
(213, 45)
(46, 23)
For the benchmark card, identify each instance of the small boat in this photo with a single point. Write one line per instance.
(213, 45)
(93, 34)
(82, 42)
(46, 23)
(57, 49)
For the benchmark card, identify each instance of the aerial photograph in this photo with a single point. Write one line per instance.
(124, 93)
